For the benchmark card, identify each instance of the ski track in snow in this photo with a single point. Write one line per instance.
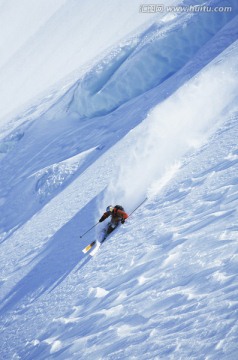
(164, 285)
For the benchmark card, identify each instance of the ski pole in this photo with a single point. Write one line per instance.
(138, 206)
(89, 230)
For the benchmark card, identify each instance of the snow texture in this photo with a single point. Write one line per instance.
(145, 110)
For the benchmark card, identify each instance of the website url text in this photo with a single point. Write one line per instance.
(160, 8)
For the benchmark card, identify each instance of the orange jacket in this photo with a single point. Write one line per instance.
(117, 216)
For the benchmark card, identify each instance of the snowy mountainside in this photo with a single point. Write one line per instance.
(164, 285)
(53, 139)
(148, 60)
(171, 293)
(56, 39)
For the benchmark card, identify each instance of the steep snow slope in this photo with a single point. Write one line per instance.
(148, 60)
(61, 133)
(64, 39)
(165, 284)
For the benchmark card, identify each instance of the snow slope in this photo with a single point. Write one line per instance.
(45, 41)
(154, 117)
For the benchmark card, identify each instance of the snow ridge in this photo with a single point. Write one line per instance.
(146, 61)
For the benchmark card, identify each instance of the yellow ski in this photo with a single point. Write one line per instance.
(88, 247)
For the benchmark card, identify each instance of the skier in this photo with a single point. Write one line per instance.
(118, 215)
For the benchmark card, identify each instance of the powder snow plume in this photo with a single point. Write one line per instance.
(178, 125)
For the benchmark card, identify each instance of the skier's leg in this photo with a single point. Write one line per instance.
(111, 227)
(106, 231)
(102, 235)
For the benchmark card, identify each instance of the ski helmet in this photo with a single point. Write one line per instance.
(109, 208)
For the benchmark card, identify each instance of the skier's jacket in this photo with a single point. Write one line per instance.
(117, 215)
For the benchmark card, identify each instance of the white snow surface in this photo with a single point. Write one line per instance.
(102, 104)
(43, 41)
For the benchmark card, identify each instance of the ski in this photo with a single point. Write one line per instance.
(95, 250)
(98, 245)
(88, 247)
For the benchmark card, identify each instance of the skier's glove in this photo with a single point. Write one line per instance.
(122, 221)
(101, 220)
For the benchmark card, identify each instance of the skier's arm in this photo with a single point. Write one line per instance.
(105, 216)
